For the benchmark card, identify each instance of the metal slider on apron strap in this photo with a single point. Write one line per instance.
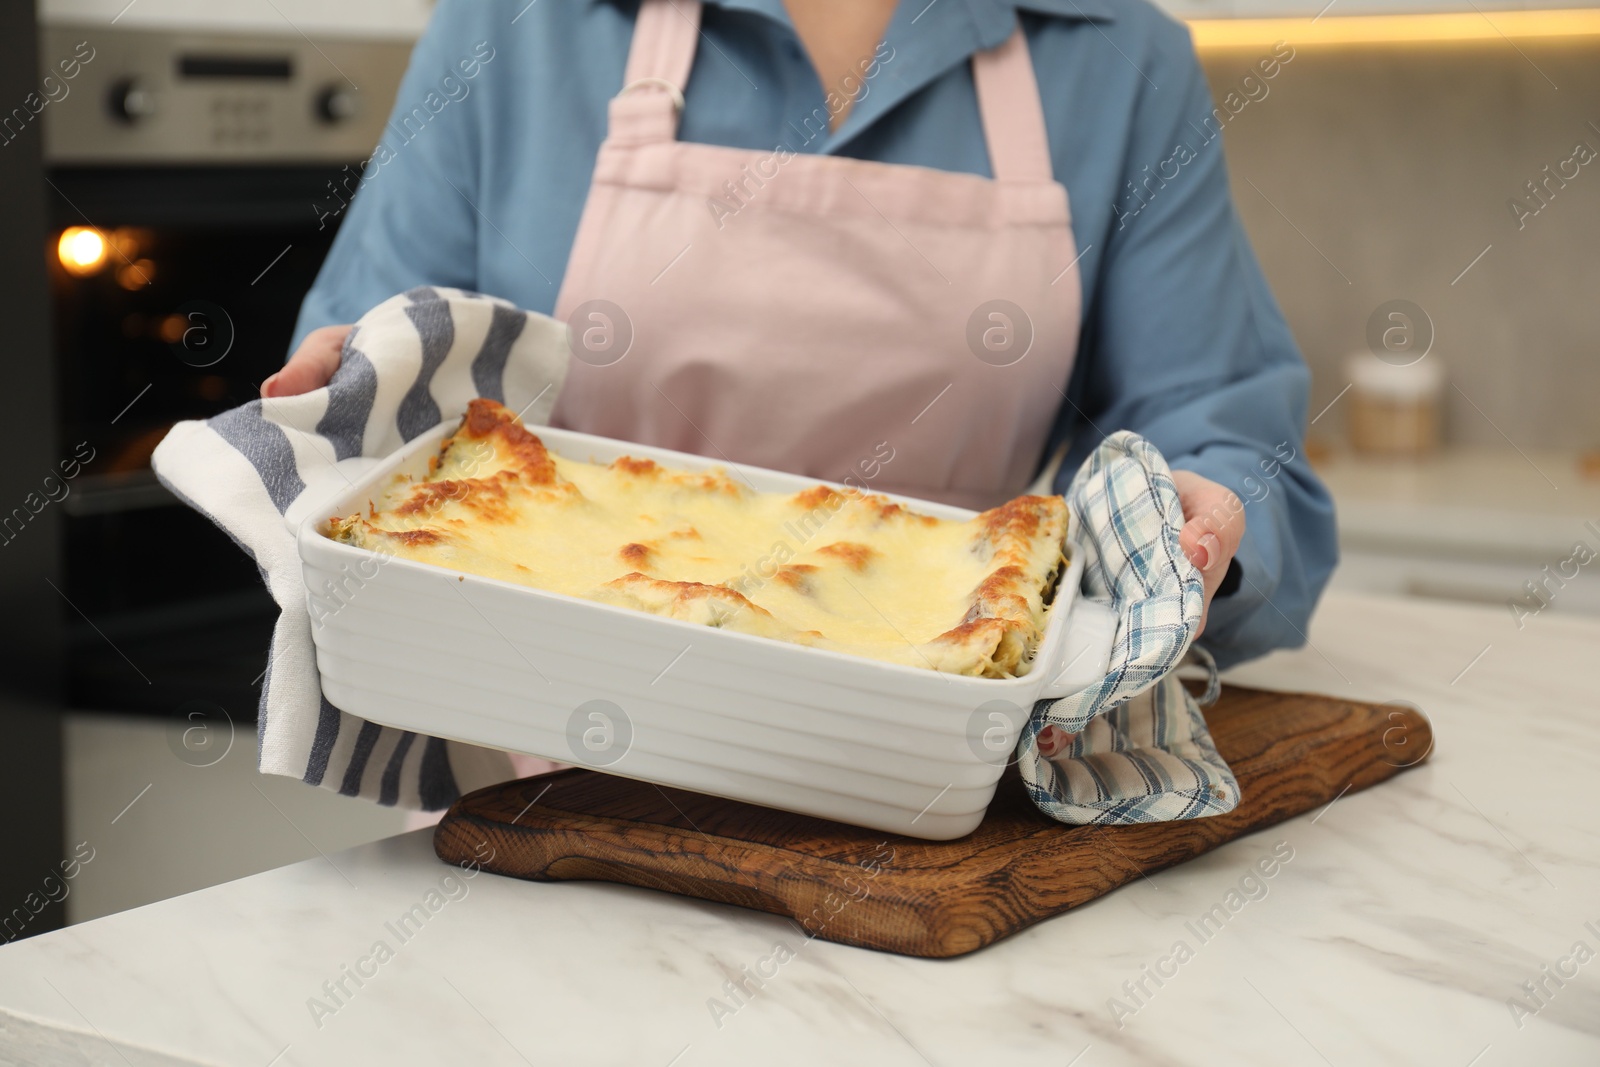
(657, 83)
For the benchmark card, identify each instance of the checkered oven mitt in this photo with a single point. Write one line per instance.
(1142, 751)
(259, 468)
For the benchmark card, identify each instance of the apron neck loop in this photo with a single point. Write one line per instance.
(1013, 117)
(663, 48)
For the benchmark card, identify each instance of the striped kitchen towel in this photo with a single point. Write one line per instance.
(1142, 752)
(257, 470)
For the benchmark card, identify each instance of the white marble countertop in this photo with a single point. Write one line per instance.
(1399, 932)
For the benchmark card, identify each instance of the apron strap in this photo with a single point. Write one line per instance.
(1013, 117)
(664, 42)
(663, 48)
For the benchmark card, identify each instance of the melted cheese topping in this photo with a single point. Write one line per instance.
(843, 570)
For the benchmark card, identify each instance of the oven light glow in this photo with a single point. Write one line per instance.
(82, 250)
(136, 275)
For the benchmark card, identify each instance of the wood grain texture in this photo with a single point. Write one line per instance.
(1291, 752)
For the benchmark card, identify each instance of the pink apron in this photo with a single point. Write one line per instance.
(899, 328)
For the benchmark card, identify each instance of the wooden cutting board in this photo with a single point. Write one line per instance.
(1291, 752)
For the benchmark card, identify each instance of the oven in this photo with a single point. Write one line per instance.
(195, 182)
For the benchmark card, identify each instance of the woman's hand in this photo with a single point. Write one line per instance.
(312, 364)
(1213, 526)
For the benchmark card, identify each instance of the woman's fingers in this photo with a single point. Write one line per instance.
(312, 364)
(1212, 530)
(1053, 740)
(1213, 520)
(1213, 527)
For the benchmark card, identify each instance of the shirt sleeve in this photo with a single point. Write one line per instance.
(410, 221)
(1184, 344)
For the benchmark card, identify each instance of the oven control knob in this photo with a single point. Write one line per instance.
(130, 102)
(337, 103)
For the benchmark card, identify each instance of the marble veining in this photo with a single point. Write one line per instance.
(1410, 921)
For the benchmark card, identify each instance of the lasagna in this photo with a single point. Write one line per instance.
(838, 569)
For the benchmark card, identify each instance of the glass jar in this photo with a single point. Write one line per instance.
(1394, 410)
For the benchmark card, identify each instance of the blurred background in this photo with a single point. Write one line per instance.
(1420, 179)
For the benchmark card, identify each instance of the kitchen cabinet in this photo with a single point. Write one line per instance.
(30, 565)
(1519, 531)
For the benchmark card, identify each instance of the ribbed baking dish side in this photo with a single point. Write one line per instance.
(474, 659)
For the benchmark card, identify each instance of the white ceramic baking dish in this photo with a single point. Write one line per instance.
(896, 748)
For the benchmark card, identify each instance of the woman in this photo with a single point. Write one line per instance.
(824, 231)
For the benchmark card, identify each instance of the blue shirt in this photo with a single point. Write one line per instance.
(482, 175)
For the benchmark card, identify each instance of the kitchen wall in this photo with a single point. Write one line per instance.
(1381, 172)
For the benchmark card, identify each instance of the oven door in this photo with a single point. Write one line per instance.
(180, 300)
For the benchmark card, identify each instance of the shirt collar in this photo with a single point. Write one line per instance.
(930, 36)
(1088, 10)
(927, 38)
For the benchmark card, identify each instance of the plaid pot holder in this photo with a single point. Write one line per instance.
(1142, 751)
